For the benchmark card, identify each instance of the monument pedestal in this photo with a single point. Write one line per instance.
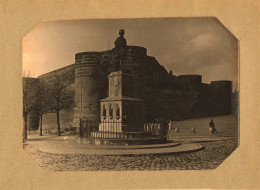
(121, 111)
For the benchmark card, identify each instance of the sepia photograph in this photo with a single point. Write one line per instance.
(130, 94)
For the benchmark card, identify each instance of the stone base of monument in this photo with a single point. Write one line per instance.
(121, 138)
(122, 141)
(122, 147)
(71, 147)
(128, 141)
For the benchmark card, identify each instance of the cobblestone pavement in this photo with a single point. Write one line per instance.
(210, 157)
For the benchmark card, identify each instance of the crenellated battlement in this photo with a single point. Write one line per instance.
(190, 79)
(98, 57)
(88, 57)
(136, 51)
(70, 68)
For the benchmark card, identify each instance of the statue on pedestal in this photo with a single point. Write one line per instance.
(120, 51)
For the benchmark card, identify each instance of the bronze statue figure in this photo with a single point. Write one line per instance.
(120, 50)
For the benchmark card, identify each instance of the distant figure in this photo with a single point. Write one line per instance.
(149, 126)
(167, 128)
(212, 126)
(170, 125)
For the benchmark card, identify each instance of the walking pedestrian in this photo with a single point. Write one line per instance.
(212, 126)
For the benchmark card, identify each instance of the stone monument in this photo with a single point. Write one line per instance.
(121, 114)
(121, 108)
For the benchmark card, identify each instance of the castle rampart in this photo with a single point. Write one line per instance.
(164, 95)
(190, 79)
(66, 69)
(223, 91)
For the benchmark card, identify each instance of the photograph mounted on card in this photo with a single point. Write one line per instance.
(130, 94)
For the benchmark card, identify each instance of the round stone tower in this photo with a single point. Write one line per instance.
(89, 86)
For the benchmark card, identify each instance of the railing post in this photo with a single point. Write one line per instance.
(113, 130)
(102, 131)
(116, 130)
(80, 127)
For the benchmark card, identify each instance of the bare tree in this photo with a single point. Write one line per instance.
(29, 99)
(62, 97)
(43, 103)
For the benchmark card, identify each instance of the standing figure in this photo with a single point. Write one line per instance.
(120, 51)
(212, 126)
(170, 125)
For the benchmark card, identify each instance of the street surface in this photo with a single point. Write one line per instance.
(217, 147)
(210, 157)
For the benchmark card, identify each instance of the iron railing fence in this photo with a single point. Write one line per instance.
(111, 128)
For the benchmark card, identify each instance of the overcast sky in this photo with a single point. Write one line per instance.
(184, 45)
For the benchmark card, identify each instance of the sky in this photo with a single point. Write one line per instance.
(184, 45)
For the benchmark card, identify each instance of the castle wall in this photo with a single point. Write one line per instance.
(190, 79)
(66, 117)
(222, 91)
(164, 95)
(64, 70)
(146, 69)
(33, 121)
(49, 121)
(135, 53)
(192, 82)
(32, 117)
